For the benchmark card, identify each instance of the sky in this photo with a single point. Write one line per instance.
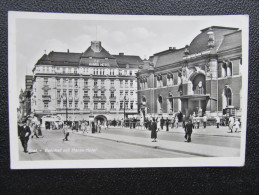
(132, 36)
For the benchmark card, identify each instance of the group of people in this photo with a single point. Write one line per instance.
(161, 123)
(28, 127)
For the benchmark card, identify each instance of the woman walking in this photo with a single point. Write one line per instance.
(154, 130)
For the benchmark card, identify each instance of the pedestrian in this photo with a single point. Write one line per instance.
(158, 123)
(93, 127)
(194, 122)
(204, 121)
(65, 132)
(236, 125)
(24, 133)
(184, 120)
(188, 131)
(134, 122)
(162, 123)
(231, 124)
(198, 122)
(176, 121)
(173, 122)
(154, 130)
(167, 124)
(217, 121)
(99, 126)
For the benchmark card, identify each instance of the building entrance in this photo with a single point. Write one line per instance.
(100, 118)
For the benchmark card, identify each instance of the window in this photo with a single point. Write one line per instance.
(58, 104)
(75, 71)
(86, 82)
(95, 83)
(85, 105)
(131, 105)
(102, 82)
(131, 83)
(76, 93)
(126, 93)
(112, 105)
(46, 104)
(76, 81)
(102, 106)
(64, 93)
(70, 81)
(130, 73)
(70, 93)
(121, 93)
(58, 81)
(112, 82)
(95, 93)
(131, 93)
(85, 93)
(126, 83)
(120, 72)
(58, 93)
(64, 80)
(70, 104)
(46, 92)
(64, 104)
(126, 105)
(121, 105)
(95, 106)
(45, 81)
(76, 104)
(112, 93)
(121, 84)
(102, 93)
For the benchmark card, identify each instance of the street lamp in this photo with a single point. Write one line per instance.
(124, 106)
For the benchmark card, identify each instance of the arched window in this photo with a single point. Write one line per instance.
(199, 86)
(229, 69)
(170, 103)
(228, 95)
(159, 105)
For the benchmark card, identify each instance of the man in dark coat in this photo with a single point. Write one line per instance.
(167, 124)
(162, 123)
(188, 131)
(24, 133)
(154, 130)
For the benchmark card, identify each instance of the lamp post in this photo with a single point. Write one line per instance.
(124, 106)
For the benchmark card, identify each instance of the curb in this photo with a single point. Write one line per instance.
(147, 146)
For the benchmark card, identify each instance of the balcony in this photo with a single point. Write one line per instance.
(70, 98)
(113, 99)
(99, 98)
(86, 98)
(76, 98)
(64, 98)
(112, 88)
(86, 87)
(46, 98)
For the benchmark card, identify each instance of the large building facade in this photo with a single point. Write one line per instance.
(201, 78)
(93, 85)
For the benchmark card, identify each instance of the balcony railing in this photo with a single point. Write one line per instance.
(86, 98)
(99, 98)
(46, 98)
(113, 98)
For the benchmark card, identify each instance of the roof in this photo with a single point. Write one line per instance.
(200, 42)
(231, 40)
(102, 54)
(132, 61)
(170, 57)
(60, 58)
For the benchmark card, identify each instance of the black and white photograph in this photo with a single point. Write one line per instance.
(113, 91)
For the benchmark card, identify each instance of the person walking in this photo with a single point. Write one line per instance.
(176, 121)
(65, 132)
(236, 125)
(231, 123)
(217, 121)
(158, 124)
(93, 127)
(24, 133)
(204, 121)
(188, 131)
(167, 124)
(154, 130)
(198, 122)
(99, 126)
(162, 123)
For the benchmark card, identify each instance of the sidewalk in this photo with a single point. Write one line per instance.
(182, 147)
(210, 130)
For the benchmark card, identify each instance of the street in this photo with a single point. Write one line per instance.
(125, 143)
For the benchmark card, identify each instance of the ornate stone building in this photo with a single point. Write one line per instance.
(84, 86)
(204, 77)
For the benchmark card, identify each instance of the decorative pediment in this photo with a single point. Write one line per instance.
(46, 87)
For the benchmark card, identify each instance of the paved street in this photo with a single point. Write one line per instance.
(125, 143)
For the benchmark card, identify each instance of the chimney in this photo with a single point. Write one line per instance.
(96, 46)
(121, 54)
(67, 50)
(170, 48)
(174, 48)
